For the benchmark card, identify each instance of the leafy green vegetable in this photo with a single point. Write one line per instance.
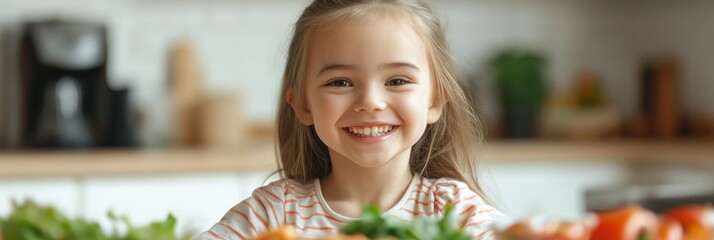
(30, 221)
(373, 225)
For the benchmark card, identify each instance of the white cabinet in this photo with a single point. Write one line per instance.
(197, 200)
(553, 189)
(59, 192)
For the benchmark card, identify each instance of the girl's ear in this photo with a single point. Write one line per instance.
(435, 111)
(303, 114)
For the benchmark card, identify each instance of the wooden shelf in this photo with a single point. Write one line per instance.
(692, 152)
(139, 161)
(262, 157)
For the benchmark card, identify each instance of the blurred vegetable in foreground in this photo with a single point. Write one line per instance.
(372, 225)
(631, 222)
(551, 230)
(375, 226)
(697, 221)
(30, 221)
(626, 223)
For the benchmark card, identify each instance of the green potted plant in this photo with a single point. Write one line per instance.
(521, 89)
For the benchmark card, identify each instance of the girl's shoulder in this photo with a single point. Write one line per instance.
(444, 185)
(447, 190)
(287, 187)
(478, 214)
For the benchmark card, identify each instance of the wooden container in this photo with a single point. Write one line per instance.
(221, 121)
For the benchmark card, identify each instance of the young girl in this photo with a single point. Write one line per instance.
(371, 112)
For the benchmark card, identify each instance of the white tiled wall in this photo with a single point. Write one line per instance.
(241, 44)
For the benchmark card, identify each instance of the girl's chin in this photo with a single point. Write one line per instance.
(364, 161)
(369, 164)
(370, 158)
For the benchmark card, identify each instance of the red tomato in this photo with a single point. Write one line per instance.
(551, 230)
(626, 223)
(691, 214)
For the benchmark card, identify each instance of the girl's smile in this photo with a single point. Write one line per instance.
(371, 132)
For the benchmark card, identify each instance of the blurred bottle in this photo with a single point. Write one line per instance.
(120, 130)
(659, 102)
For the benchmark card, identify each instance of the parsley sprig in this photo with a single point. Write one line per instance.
(373, 225)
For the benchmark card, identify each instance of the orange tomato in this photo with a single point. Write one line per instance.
(696, 221)
(670, 230)
(697, 232)
(349, 237)
(551, 230)
(520, 228)
(572, 231)
(284, 233)
(626, 223)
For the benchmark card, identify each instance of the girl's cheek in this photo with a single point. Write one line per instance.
(418, 99)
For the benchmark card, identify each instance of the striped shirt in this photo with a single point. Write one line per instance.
(287, 202)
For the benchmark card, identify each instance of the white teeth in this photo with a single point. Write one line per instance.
(372, 131)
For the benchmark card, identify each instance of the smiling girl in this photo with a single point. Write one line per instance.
(371, 112)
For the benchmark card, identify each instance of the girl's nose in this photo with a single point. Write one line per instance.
(369, 99)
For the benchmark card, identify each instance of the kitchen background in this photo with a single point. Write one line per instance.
(623, 90)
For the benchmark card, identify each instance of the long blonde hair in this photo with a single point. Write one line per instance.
(448, 147)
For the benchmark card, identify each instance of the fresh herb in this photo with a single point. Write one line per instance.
(373, 225)
(30, 221)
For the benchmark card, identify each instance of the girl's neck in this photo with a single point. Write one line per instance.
(350, 187)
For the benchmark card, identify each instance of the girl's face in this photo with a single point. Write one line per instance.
(369, 91)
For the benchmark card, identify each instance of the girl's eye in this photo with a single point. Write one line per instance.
(340, 83)
(396, 82)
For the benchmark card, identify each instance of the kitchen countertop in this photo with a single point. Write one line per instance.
(261, 157)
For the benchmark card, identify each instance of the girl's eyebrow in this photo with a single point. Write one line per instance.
(400, 65)
(331, 67)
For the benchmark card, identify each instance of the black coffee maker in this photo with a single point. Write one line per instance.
(63, 69)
